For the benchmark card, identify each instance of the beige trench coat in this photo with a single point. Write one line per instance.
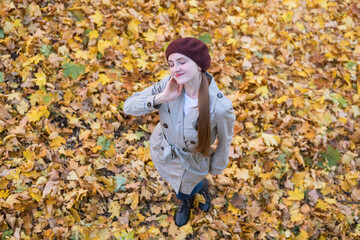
(174, 139)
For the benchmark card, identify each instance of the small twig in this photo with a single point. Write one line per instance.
(343, 201)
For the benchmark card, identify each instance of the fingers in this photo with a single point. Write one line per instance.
(179, 88)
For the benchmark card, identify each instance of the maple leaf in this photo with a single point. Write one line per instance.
(104, 79)
(304, 235)
(114, 208)
(264, 91)
(297, 217)
(296, 195)
(2, 35)
(133, 27)
(11, 200)
(82, 54)
(104, 143)
(40, 79)
(93, 34)
(123, 235)
(58, 141)
(1, 76)
(130, 136)
(4, 194)
(7, 233)
(97, 18)
(269, 140)
(332, 156)
(73, 70)
(206, 38)
(150, 35)
(28, 154)
(298, 102)
(46, 50)
(35, 114)
(120, 183)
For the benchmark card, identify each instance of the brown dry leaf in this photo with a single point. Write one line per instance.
(355, 194)
(239, 201)
(254, 210)
(289, 67)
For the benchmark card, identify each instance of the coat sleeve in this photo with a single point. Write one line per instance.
(141, 103)
(220, 158)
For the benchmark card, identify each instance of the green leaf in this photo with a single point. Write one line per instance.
(46, 50)
(139, 135)
(47, 99)
(73, 70)
(350, 65)
(126, 236)
(1, 76)
(343, 103)
(338, 100)
(206, 38)
(120, 106)
(120, 183)
(228, 1)
(296, 230)
(332, 156)
(282, 158)
(308, 161)
(77, 13)
(6, 233)
(2, 35)
(239, 78)
(321, 164)
(104, 143)
(258, 54)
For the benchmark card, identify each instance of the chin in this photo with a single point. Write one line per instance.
(180, 81)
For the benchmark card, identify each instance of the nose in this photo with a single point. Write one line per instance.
(176, 67)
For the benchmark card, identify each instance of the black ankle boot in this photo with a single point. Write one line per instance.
(182, 215)
(205, 192)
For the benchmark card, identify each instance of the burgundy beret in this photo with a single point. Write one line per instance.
(192, 48)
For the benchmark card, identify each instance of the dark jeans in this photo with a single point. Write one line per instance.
(183, 196)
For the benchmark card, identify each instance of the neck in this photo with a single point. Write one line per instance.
(192, 87)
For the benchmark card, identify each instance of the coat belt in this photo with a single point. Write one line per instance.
(171, 152)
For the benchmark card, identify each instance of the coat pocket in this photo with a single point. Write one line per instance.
(198, 164)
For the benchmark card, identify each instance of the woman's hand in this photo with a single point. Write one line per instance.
(172, 91)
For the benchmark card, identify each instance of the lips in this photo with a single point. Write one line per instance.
(179, 75)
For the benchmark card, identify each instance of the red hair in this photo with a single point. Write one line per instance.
(204, 138)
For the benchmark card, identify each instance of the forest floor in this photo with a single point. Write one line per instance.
(74, 166)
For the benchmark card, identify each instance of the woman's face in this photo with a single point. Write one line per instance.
(183, 68)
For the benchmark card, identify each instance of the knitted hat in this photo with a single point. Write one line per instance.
(192, 48)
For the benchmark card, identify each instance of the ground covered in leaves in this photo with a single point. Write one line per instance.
(73, 166)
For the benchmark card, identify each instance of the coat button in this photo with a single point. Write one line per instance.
(184, 149)
(219, 95)
(192, 142)
(162, 148)
(149, 104)
(165, 125)
(169, 110)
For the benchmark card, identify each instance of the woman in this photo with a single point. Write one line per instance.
(193, 112)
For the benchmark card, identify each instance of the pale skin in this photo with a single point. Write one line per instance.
(185, 74)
